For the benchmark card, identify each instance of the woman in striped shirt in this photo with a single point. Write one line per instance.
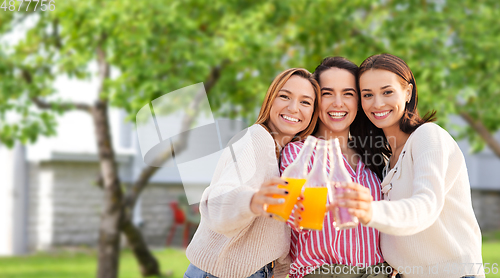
(329, 251)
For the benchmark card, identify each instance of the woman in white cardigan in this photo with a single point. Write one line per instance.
(236, 237)
(426, 218)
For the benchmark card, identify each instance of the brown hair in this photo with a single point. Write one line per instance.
(379, 147)
(278, 83)
(411, 120)
(357, 140)
(336, 62)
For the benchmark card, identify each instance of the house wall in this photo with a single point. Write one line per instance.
(486, 204)
(65, 206)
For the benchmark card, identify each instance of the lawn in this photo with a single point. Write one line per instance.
(82, 263)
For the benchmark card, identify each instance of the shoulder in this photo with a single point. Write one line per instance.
(253, 136)
(258, 130)
(250, 152)
(430, 137)
(430, 130)
(252, 145)
(261, 136)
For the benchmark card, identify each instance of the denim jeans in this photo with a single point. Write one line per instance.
(194, 272)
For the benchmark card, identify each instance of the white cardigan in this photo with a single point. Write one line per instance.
(427, 222)
(231, 241)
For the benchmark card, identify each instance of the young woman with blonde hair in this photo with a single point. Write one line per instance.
(236, 237)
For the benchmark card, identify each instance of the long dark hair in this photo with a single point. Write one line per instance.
(373, 158)
(411, 119)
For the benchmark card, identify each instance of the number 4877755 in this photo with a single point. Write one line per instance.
(11, 5)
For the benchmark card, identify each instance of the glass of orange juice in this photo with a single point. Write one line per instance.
(315, 208)
(295, 174)
(282, 211)
(316, 191)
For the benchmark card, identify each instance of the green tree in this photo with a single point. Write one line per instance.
(451, 49)
(155, 47)
(449, 45)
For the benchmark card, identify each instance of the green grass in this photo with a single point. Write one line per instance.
(491, 255)
(82, 263)
(491, 236)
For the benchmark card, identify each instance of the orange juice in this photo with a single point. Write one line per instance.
(282, 211)
(314, 208)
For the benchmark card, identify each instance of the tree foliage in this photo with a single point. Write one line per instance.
(159, 46)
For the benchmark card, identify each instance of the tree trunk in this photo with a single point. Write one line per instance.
(148, 264)
(112, 214)
(118, 211)
(479, 127)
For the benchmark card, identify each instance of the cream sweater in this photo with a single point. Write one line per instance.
(428, 226)
(231, 241)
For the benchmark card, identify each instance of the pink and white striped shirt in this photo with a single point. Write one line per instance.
(354, 247)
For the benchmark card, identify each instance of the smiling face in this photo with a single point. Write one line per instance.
(383, 97)
(292, 109)
(339, 101)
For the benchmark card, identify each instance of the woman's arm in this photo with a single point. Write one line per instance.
(231, 212)
(430, 151)
(238, 189)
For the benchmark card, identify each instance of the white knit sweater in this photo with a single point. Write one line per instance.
(231, 241)
(428, 226)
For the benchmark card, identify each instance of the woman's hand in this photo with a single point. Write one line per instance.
(297, 212)
(358, 200)
(263, 196)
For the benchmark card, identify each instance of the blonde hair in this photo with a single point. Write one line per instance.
(278, 83)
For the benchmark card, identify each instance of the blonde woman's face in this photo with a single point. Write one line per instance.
(293, 107)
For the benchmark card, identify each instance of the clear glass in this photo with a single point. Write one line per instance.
(338, 175)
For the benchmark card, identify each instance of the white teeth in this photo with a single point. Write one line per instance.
(382, 114)
(337, 114)
(290, 118)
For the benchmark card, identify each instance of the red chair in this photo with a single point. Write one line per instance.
(181, 218)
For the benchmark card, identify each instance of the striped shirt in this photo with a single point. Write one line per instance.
(354, 247)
